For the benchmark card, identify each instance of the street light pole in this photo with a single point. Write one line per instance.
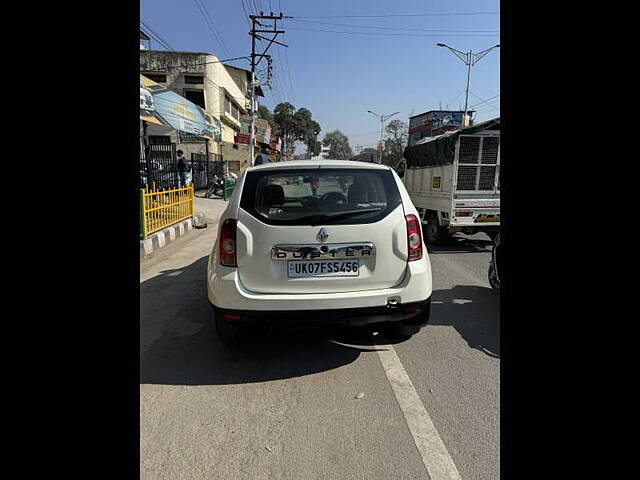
(383, 118)
(466, 97)
(470, 59)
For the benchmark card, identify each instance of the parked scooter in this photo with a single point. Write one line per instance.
(216, 187)
(494, 276)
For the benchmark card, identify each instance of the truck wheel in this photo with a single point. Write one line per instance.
(434, 233)
(493, 281)
(228, 333)
(492, 235)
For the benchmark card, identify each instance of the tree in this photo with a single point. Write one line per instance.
(296, 126)
(283, 118)
(397, 134)
(307, 130)
(265, 114)
(338, 143)
(314, 148)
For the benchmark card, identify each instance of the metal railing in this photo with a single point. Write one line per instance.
(205, 169)
(199, 170)
(163, 208)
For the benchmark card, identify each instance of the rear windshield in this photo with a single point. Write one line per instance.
(320, 196)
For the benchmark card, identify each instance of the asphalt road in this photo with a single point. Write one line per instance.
(285, 406)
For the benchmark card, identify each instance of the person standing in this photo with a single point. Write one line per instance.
(315, 185)
(182, 167)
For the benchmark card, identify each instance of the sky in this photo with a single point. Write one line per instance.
(338, 76)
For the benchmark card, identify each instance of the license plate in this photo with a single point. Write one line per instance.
(487, 219)
(323, 268)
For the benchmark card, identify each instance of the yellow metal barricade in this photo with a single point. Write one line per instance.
(163, 208)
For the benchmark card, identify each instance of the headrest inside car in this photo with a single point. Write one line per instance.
(358, 193)
(272, 195)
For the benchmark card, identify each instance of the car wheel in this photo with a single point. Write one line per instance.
(228, 333)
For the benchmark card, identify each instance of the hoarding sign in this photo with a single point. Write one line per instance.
(242, 138)
(262, 131)
(436, 119)
(276, 144)
(175, 111)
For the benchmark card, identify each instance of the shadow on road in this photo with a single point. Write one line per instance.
(473, 311)
(462, 244)
(179, 345)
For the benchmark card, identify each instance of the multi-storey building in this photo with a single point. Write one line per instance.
(220, 90)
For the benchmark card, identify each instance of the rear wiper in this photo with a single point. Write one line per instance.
(345, 213)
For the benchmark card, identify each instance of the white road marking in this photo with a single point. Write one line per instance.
(434, 454)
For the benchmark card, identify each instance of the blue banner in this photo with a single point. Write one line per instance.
(177, 112)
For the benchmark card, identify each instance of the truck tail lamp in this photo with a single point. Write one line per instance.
(228, 243)
(414, 237)
(463, 214)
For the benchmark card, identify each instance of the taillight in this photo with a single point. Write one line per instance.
(462, 214)
(414, 237)
(228, 243)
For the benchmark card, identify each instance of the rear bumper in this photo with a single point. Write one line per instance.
(478, 209)
(226, 292)
(416, 313)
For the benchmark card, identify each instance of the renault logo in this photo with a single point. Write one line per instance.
(323, 234)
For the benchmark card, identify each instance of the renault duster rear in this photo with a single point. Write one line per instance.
(316, 243)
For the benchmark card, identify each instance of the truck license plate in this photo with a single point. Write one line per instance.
(323, 268)
(487, 219)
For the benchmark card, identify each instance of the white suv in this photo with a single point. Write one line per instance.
(319, 242)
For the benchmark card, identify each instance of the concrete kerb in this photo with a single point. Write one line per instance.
(163, 237)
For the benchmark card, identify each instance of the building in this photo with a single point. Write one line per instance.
(369, 155)
(145, 41)
(323, 155)
(433, 122)
(221, 90)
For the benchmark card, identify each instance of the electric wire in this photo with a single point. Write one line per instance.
(455, 98)
(395, 34)
(209, 22)
(394, 28)
(245, 13)
(404, 15)
(482, 100)
(286, 57)
(151, 32)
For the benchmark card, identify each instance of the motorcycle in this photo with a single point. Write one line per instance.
(216, 187)
(494, 276)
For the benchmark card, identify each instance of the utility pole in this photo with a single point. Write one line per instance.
(383, 118)
(255, 21)
(470, 59)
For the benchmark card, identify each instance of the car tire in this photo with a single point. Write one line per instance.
(434, 233)
(228, 333)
